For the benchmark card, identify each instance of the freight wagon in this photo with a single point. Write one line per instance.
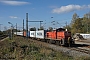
(33, 34)
(41, 34)
(19, 33)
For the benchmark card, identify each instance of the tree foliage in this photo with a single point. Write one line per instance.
(67, 27)
(80, 25)
(50, 28)
(75, 16)
(77, 26)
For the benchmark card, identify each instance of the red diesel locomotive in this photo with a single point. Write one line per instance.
(60, 37)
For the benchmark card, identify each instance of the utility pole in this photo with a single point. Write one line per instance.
(87, 28)
(27, 25)
(16, 28)
(23, 27)
(40, 23)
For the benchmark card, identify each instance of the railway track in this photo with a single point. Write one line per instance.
(81, 50)
(3, 36)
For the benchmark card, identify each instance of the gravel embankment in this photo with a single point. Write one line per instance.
(69, 51)
(64, 50)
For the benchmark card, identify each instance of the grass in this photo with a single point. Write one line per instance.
(21, 49)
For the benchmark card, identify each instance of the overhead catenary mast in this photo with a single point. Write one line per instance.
(27, 25)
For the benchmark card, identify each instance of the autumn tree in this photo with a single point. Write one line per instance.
(74, 17)
(86, 23)
(73, 27)
(67, 27)
(80, 25)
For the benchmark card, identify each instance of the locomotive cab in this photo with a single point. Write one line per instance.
(60, 36)
(64, 36)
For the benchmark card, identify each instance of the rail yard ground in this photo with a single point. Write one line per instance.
(20, 48)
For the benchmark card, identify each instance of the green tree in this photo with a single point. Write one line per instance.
(80, 25)
(75, 16)
(77, 26)
(50, 28)
(86, 23)
(67, 27)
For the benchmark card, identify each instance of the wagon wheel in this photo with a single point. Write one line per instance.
(50, 41)
(47, 41)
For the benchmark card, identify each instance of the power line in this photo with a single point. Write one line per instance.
(36, 21)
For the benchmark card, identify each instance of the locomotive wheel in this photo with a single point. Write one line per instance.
(57, 42)
(69, 41)
(62, 42)
(73, 42)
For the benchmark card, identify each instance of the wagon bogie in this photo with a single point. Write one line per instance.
(58, 42)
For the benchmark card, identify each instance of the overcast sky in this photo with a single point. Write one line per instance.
(14, 11)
